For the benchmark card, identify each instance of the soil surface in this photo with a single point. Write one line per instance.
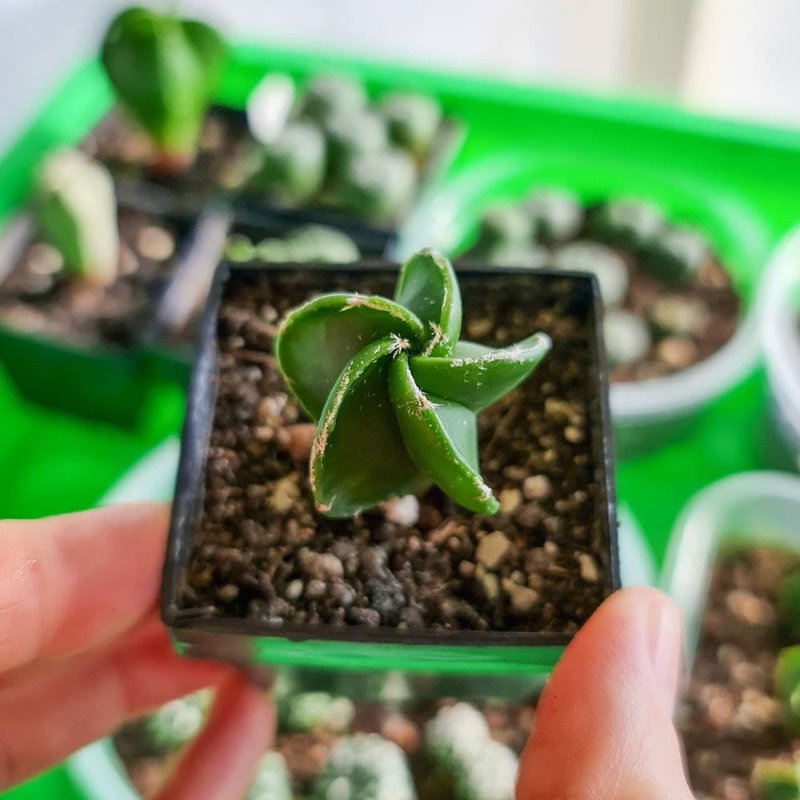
(37, 298)
(730, 717)
(263, 552)
(306, 753)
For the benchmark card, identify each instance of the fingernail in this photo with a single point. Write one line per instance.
(666, 644)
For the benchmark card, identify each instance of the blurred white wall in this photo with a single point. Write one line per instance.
(732, 56)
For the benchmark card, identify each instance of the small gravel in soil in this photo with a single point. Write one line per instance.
(538, 565)
(730, 717)
(36, 298)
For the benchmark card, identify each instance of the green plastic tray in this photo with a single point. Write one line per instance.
(755, 167)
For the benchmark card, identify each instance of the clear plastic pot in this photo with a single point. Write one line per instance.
(645, 414)
(779, 329)
(751, 508)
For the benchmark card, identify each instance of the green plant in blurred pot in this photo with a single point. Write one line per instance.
(163, 70)
(787, 685)
(272, 780)
(76, 212)
(394, 392)
(776, 780)
(365, 767)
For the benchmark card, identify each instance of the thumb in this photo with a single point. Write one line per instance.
(604, 726)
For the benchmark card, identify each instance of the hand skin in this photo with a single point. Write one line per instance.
(81, 650)
(603, 728)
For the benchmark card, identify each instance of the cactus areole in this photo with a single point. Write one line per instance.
(394, 392)
(163, 70)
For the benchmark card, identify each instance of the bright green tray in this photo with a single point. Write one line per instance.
(757, 168)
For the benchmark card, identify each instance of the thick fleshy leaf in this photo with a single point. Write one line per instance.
(441, 437)
(318, 339)
(428, 287)
(479, 380)
(358, 458)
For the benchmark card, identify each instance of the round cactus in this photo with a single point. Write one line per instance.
(628, 222)
(372, 370)
(178, 722)
(365, 767)
(310, 711)
(413, 120)
(601, 261)
(556, 214)
(76, 212)
(331, 95)
(272, 780)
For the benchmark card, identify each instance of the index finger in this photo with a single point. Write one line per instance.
(70, 582)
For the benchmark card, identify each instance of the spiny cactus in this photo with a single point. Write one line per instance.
(76, 212)
(394, 391)
(272, 780)
(163, 70)
(776, 780)
(459, 742)
(365, 767)
(179, 721)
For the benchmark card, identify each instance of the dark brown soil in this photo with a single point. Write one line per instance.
(37, 301)
(263, 552)
(305, 753)
(730, 716)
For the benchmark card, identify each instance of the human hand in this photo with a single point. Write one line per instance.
(82, 649)
(604, 726)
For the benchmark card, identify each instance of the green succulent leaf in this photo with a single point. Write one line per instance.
(441, 438)
(320, 337)
(476, 381)
(358, 458)
(776, 780)
(787, 684)
(163, 70)
(427, 286)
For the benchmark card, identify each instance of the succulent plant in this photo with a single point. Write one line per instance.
(787, 685)
(309, 711)
(676, 254)
(378, 186)
(305, 244)
(513, 254)
(601, 261)
(365, 767)
(789, 605)
(628, 222)
(330, 95)
(272, 780)
(163, 70)
(269, 107)
(504, 224)
(556, 214)
(413, 120)
(293, 165)
(627, 337)
(177, 722)
(459, 742)
(352, 135)
(776, 780)
(76, 212)
(394, 393)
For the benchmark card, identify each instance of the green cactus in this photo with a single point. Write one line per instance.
(76, 211)
(365, 767)
(330, 95)
(394, 393)
(413, 119)
(163, 70)
(178, 722)
(272, 780)
(789, 605)
(776, 780)
(460, 744)
(310, 711)
(787, 685)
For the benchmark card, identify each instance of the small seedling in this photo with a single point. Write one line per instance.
(272, 780)
(163, 70)
(394, 392)
(76, 212)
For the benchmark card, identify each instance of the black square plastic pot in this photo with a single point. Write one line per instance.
(356, 658)
(169, 357)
